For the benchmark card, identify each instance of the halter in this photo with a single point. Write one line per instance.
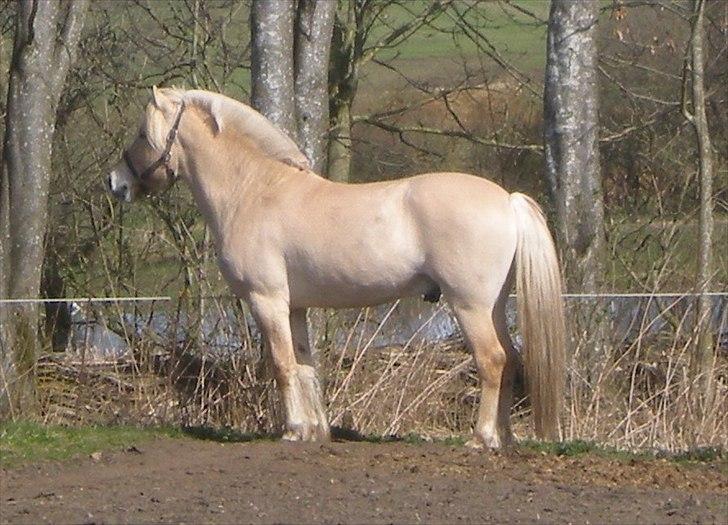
(163, 160)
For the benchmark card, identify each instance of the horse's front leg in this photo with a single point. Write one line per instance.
(301, 420)
(307, 374)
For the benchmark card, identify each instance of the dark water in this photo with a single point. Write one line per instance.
(226, 330)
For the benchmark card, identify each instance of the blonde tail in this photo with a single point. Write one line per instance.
(540, 314)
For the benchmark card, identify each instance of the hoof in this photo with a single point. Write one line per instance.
(306, 432)
(305, 416)
(479, 442)
(474, 444)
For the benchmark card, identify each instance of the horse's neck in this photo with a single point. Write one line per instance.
(224, 177)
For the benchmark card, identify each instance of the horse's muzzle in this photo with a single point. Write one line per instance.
(118, 188)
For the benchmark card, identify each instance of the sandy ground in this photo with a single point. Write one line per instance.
(183, 480)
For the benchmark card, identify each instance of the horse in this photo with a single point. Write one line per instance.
(288, 239)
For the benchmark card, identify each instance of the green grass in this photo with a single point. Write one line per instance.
(581, 448)
(224, 435)
(562, 448)
(26, 442)
(645, 249)
(341, 434)
(517, 37)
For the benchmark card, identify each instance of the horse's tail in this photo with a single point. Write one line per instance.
(540, 314)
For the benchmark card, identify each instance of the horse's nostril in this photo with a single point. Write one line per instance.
(117, 188)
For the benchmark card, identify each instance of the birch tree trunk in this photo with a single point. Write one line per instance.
(46, 38)
(703, 355)
(290, 60)
(571, 140)
(272, 40)
(313, 45)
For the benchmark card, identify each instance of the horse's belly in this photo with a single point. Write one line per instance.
(348, 293)
(358, 259)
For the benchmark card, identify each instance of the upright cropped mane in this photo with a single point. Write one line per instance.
(228, 112)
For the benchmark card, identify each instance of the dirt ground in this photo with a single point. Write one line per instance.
(183, 480)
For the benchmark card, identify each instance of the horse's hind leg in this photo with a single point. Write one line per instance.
(513, 363)
(495, 369)
(272, 317)
(307, 370)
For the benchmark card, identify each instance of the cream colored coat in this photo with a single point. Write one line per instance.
(288, 239)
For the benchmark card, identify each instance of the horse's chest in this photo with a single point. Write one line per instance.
(251, 269)
(232, 271)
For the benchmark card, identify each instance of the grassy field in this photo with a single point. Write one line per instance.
(662, 255)
(516, 36)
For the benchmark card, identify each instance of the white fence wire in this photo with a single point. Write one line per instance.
(162, 298)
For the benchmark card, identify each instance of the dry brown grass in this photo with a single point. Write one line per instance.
(637, 395)
(642, 394)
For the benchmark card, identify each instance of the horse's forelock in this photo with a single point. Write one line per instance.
(155, 123)
(155, 126)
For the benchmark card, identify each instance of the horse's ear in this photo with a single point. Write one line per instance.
(156, 96)
(165, 99)
(159, 114)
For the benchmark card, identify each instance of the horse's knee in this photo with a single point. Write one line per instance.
(280, 353)
(493, 367)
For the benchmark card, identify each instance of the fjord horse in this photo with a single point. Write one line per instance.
(288, 239)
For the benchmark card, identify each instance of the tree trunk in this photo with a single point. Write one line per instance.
(350, 50)
(571, 140)
(340, 142)
(46, 37)
(290, 83)
(57, 315)
(703, 355)
(346, 51)
(271, 65)
(313, 44)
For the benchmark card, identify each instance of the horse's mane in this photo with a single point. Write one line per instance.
(267, 137)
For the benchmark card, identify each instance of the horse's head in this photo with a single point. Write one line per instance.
(149, 165)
